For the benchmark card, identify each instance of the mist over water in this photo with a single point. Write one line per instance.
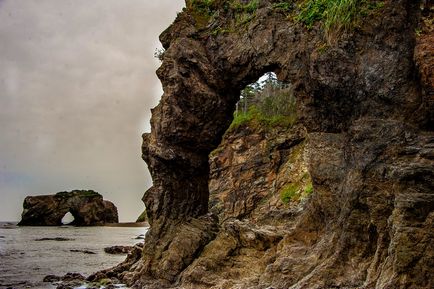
(25, 261)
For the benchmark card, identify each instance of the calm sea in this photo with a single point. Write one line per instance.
(24, 261)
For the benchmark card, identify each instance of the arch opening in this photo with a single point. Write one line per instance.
(263, 135)
(268, 99)
(68, 219)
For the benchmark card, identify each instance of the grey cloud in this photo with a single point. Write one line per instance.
(77, 81)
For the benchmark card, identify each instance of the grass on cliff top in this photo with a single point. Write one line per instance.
(204, 11)
(83, 193)
(336, 16)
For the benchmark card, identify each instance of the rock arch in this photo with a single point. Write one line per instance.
(355, 97)
(87, 207)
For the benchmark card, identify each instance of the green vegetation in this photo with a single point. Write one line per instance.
(336, 15)
(284, 6)
(244, 12)
(202, 11)
(297, 190)
(203, 6)
(82, 193)
(142, 217)
(241, 7)
(206, 11)
(288, 193)
(270, 103)
(218, 150)
(308, 189)
(220, 30)
(254, 116)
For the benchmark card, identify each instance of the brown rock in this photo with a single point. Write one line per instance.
(118, 249)
(368, 146)
(87, 207)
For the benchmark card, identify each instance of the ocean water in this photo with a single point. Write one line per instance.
(25, 261)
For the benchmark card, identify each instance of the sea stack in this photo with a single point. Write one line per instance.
(86, 206)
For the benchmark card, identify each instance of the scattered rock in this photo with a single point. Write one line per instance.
(60, 239)
(52, 278)
(8, 225)
(121, 271)
(73, 277)
(82, 251)
(118, 249)
(68, 281)
(66, 277)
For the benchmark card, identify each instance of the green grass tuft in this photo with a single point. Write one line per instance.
(288, 193)
(82, 193)
(308, 189)
(242, 7)
(336, 15)
(284, 6)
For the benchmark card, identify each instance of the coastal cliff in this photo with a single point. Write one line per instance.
(87, 207)
(358, 167)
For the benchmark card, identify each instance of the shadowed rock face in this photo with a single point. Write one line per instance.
(87, 207)
(367, 105)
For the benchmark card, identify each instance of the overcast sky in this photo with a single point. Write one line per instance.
(77, 81)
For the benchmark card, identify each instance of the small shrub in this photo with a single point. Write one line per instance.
(288, 193)
(159, 53)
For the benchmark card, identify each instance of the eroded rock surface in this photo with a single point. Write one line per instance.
(259, 173)
(366, 102)
(87, 207)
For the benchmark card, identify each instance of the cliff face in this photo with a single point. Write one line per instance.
(87, 207)
(366, 104)
(259, 173)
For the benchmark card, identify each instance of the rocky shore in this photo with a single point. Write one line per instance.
(109, 278)
(342, 199)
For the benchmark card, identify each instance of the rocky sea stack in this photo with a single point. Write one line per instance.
(86, 206)
(343, 198)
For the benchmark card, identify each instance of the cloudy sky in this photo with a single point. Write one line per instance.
(77, 81)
